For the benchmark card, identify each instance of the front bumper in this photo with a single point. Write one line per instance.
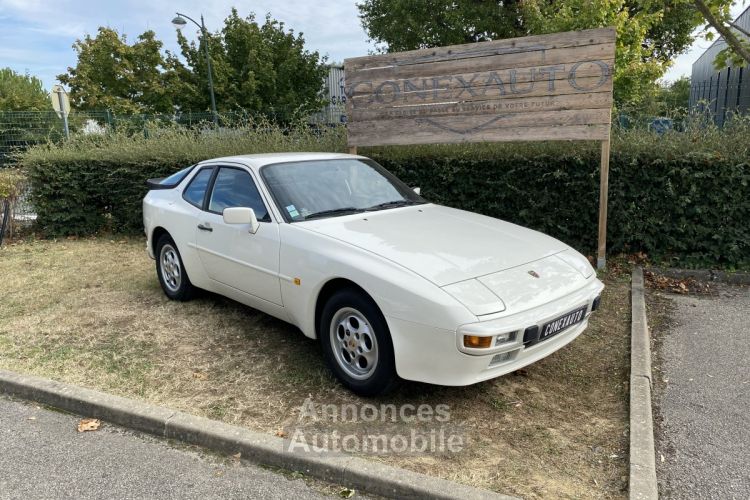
(432, 355)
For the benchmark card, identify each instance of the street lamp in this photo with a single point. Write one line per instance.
(179, 22)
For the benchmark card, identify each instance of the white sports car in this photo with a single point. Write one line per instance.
(392, 285)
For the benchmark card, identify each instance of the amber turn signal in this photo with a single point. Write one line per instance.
(477, 342)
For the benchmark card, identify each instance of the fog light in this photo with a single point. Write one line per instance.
(501, 358)
(477, 342)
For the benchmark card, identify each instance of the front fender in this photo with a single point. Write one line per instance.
(309, 260)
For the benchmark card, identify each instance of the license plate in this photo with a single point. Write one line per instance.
(563, 322)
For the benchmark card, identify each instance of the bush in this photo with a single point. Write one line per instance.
(682, 198)
(95, 183)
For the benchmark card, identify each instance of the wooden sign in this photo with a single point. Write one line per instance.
(536, 88)
(547, 87)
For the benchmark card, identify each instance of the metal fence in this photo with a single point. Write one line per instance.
(725, 92)
(21, 129)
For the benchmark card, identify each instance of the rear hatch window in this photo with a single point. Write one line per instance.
(171, 181)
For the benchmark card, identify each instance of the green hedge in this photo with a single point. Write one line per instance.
(683, 199)
(691, 208)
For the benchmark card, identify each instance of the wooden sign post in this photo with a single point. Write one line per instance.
(537, 88)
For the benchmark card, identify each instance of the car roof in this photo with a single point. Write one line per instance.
(259, 160)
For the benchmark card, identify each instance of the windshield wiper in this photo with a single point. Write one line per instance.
(335, 211)
(393, 204)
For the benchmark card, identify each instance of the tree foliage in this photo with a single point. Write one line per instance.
(22, 92)
(112, 74)
(717, 14)
(260, 68)
(649, 33)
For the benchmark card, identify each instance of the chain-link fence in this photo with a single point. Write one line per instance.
(21, 129)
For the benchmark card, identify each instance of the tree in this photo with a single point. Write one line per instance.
(22, 92)
(717, 15)
(677, 94)
(649, 34)
(406, 25)
(111, 74)
(257, 68)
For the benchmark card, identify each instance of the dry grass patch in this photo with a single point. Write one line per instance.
(91, 312)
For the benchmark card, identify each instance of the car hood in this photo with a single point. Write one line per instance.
(443, 245)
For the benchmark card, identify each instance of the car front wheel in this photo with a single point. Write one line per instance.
(357, 344)
(171, 271)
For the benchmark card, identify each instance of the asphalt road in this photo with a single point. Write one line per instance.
(43, 456)
(703, 398)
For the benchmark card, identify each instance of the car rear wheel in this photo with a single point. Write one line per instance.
(171, 271)
(357, 344)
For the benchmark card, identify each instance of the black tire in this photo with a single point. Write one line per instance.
(346, 362)
(176, 287)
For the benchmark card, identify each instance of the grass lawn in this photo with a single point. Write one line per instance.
(90, 312)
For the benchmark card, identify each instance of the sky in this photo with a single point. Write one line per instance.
(37, 35)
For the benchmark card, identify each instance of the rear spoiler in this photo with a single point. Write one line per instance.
(156, 184)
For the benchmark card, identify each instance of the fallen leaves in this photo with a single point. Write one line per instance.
(675, 285)
(89, 424)
(346, 493)
(281, 433)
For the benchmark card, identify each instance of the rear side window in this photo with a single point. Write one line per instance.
(196, 190)
(235, 188)
(176, 177)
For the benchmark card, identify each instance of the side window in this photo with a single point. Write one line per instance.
(196, 190)
(235, 188)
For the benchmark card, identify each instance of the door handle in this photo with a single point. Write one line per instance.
(205, 228)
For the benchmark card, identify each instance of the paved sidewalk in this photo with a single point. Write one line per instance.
(705, 402)
(42, 456)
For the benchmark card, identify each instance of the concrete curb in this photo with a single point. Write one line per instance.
(353, 472)
(737, 278)
(642, 454)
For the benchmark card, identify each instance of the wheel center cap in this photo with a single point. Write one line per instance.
(352, 344)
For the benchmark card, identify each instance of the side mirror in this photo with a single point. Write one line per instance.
(241, 215)
(417, 190)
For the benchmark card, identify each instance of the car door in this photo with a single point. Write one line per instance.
(230, 253)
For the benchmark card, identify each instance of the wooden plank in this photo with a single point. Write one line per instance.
(596, 100)
(360, 83)
(468, 124)
(494, 47)
(483, 93)
(544, 57)
(601, 260)
(561, 133)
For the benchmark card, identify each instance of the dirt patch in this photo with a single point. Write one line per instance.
(91, 312)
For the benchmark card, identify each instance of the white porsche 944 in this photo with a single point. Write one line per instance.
(392, 286)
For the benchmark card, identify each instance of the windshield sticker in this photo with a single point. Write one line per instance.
(292, 211)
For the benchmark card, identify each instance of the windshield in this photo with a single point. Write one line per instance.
(327, 188)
